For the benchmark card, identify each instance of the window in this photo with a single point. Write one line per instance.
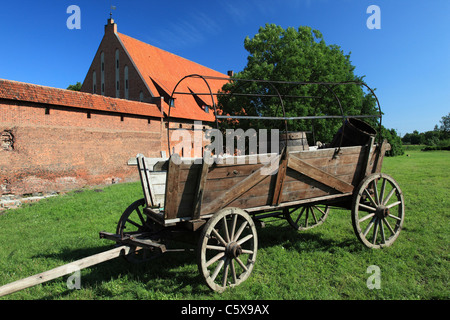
(141, 96)
(117, 75)
(94, 82)
(102, 62)
(126, 81)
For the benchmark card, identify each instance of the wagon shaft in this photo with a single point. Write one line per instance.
(63, 270)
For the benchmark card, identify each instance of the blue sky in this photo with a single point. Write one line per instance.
(407, 60)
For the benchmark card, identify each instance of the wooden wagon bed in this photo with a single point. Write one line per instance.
(187, 189)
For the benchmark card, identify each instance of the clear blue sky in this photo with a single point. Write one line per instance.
(407, 60)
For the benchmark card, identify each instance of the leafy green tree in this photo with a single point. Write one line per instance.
(301, 55)
(75, 87)
(445, 126)
(395, 141)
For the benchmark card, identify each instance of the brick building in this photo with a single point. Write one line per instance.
(127, 68)
(54, 140)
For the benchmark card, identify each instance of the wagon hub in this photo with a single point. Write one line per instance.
(233, 250)
(382, 212)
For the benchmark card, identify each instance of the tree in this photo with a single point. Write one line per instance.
(445, 126)
(75, 87)
(395, 141)
(278, 54)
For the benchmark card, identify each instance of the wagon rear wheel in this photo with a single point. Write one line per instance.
(227, 249)
(134, 222)
(378, 211)
(306, 217)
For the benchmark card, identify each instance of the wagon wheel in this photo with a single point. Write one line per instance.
(378, 211)
(307, 217)
(133, 221)
(227, 249)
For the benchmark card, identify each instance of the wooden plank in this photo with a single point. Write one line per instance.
(299, 202)
(202, 177)
(365, 169)
(63, 270)
(281, 176)
(319, 175)
(381, 152)
(144, 181)
(158, 187)
(238, 189)
(173, 172)
(146, 173)
(262, 191)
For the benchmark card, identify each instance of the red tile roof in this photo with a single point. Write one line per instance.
(13, 90)
(164, 69)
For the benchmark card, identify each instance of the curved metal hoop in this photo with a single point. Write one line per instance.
(171, 101)
(329, 86)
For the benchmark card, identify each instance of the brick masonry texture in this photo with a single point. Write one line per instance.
(59, 146)
(61, 149)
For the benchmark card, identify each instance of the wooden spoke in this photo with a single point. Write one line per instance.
(307, 217)
(367, 207)
(227, 249)
(366, 217)
(378, 211)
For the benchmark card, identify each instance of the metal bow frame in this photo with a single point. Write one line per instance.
(329, 86)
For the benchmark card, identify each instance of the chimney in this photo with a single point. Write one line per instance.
(110, 26)
(230, 73)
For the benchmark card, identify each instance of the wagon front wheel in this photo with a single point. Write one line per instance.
(227, 249)
(378, 211)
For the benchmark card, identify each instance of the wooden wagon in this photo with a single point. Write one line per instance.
(223, 199)
(219, 200)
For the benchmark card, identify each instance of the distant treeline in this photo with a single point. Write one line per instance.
(437, 139)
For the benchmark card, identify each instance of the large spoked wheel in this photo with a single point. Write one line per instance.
(378, 211)
(134, 222)
(306, 217)
(227, 249)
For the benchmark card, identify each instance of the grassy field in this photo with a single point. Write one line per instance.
(327, 262)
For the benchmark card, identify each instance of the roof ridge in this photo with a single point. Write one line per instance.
(173, 54)
(29, 92)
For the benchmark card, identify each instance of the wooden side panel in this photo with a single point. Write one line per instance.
(312, 174)
(343, 168)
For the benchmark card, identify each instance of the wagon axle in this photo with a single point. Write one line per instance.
(382, 212)
(233, 250)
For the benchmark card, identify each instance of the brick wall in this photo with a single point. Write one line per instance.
(65, 149)
(55, 140)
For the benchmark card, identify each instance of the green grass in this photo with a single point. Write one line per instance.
(327, 262)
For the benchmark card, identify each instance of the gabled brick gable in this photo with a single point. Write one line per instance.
(155, 73)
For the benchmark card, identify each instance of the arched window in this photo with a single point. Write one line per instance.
(102, 66)
(125, 71)
(117, 75)
(94, 82)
